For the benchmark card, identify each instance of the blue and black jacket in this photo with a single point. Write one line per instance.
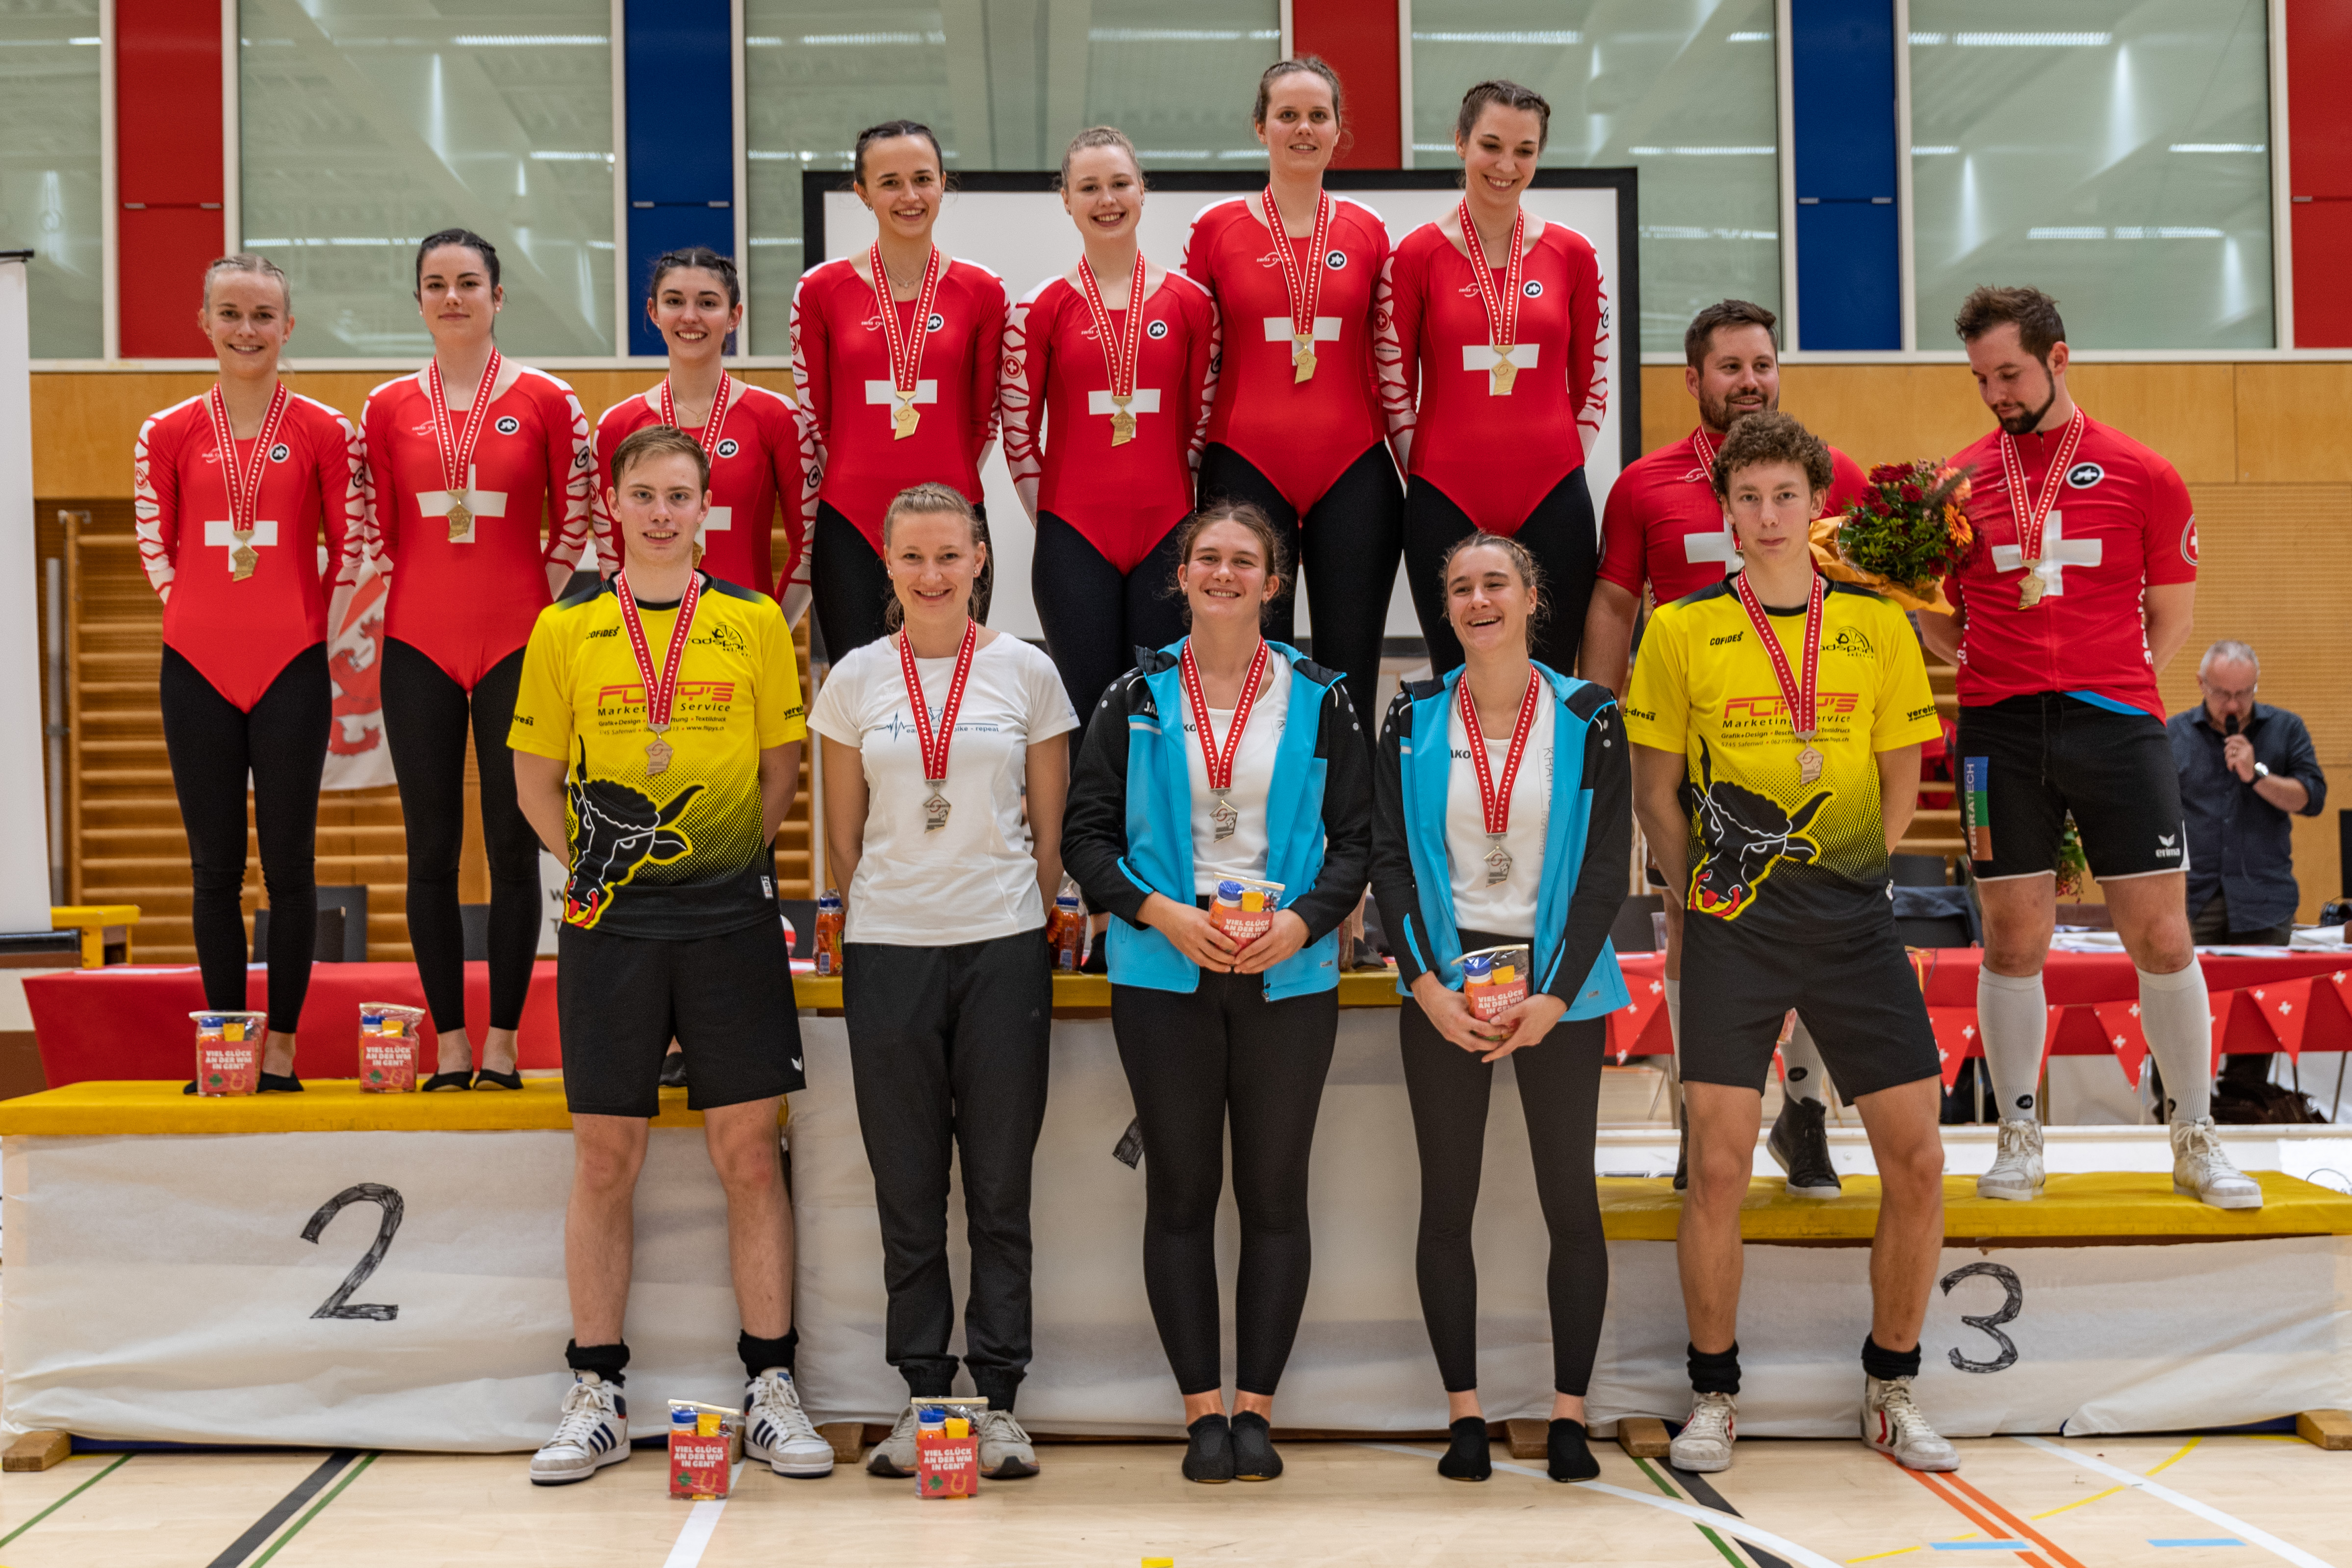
(1127, 831)
(1585, 856)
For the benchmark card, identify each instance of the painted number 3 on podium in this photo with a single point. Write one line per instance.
(338, 1305)
(1990, 1324)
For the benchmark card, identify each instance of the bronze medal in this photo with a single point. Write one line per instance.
(1800, 690)
(661, 690)
(1809, 762)
(658, 754)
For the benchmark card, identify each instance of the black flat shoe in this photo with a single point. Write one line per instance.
(1253, 1456)
(280, 1083)
(673, 1072)
(1467, 1456)
(485, 1078)
(1208, 1451)
(1568, 1457)
(440, 1080)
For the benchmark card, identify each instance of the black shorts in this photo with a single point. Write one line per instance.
(728, 999)
(1858, 997)
(2024, 763)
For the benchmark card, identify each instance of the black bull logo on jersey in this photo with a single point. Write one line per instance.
(620, 829)
(1745, 835)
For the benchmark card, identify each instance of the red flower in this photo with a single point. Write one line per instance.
(1879, 508)
(1914, 494)
(1888, 473)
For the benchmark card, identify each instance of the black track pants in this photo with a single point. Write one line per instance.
(283, 742)
(1095, 617)
(1559, 534)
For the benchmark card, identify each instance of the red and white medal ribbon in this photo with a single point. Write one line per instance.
(1801, 695)
(906, 348)
(1305, 286)
(709, 439)
(2031, 515)
(1494, 800)
(456, 444)
(1503, 308)
(1122, 349)
(934, 747)
(661, 694)
(244, 482)
(1219, 760)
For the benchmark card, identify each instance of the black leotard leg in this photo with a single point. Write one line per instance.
(510, 844)
(1095, 619)
(1559, 534)
(847, 585)
(1350, 541)
(424, 718)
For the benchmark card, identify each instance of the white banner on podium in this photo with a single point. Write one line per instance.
(24, 876)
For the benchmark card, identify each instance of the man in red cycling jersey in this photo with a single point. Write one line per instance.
(2081, 588)
(1663, 528)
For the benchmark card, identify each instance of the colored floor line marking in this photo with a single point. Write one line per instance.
(1993, 1545)
(268, 1525)
(701, 1519)
(1981, 1511)
(1731, 1524)
(2181, 1500)
(1875, 1556)
(316, 1510)
(1713, 1539)
(2196, 1540)
(2049, 1547)
(2111, 1492)
(61, 1503)
(1700, 1490)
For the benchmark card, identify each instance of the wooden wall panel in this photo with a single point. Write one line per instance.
(2291, 426)
(2187, 411)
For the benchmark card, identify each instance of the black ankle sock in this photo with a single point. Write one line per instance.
(1715, 1372)
(1567, 1456)
(1884, 1364)
(607, 1362)
(760, 1355)
(1467, 1457)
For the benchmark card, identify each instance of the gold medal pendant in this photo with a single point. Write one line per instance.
(658, 754)
(2029, 593)
(1498, 862)
(1809, 765)
(1122, 423)
(244, 558)
(1302, 357)
(1222, 818)
(461, 522)
(903, 420)
(1504, 372)
(936, 809)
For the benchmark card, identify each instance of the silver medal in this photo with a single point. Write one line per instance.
(936, 809)
(1498, 861)
(1222, 818)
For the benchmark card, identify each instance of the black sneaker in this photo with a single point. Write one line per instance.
(1799, 1145)
(673, 1072)
(1682, 1163)
(1208, 1451)
(1253, 1456)
(1467, 1456)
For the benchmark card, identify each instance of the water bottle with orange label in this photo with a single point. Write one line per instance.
(830, 918)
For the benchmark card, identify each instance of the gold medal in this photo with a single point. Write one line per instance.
(903, 420)
(2031, 513)
(1499, 378)
(244, 558)
(658, 754)
(1303, 284)
(1809, 762)
(461, 522)
(1302, 358)
(1498, 861)
(244, 483)
(905, 350)
(1122, 423)
(936, 809)
(1502, 304)
(2029, 593)
(1122, 348)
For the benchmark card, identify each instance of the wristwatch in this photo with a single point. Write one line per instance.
(2262, 771)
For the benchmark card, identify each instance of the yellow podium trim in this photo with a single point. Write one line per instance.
(326, 1105)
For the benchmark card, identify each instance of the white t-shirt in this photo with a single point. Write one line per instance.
(1507, 908)
(1244, 854)
(974, 879)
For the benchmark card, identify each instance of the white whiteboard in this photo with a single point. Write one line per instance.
(1025, 238)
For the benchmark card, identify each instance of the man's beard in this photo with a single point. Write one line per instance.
(2024, 424)
(1717, 414)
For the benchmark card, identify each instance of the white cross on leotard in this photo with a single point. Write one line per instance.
(883, 394)
(217, 531)
(481, 503)
(1278, 328)
(1145, 401)
(2058, 553)
(1482, 357)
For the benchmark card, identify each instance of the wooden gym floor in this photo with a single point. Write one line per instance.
(2164, 1501)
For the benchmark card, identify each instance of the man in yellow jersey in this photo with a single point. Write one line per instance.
(1776, 719)
(656, 743)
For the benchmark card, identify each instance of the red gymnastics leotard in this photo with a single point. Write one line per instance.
(1302, 436)
(466, 604)
(240, 633)
(1663, 525)
(1495, 455)
(841, 365)
(757, 454)
(1123, 499)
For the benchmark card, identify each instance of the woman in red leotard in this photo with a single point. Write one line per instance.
(754, 443)
(896, 398)
(1108, 370)
(1499, 331)
(465, 461)
(236, 490)
(1295, 429)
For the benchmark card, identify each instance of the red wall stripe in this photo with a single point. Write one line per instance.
(1359, 38)
(167, 124)
(2319, 134)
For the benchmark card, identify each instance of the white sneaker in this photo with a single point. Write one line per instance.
(1892, 1424)
(1704, 1442)
(775, 1428)
(594, 1432)
(1005, 1454)
(2016, 1172)
(894, 1456)
(2201, 1169)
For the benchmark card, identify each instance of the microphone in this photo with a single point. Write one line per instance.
(2230, 725)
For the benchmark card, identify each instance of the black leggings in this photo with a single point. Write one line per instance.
(283, 741)
(849, 587)
(1560, 1092)
(1347, 544)
(1191, 1060)
(1095, 619)
(425, 719)
(1559, 534)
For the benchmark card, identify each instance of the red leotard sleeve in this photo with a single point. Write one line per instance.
(1396, 344)
(1200, 374)
(2169, 541)
(1624, 540)
(1026, 361)
(811, 347)
(570, 480)
(155, 488)
(381, 500)
(1588, 342)
(987, 351)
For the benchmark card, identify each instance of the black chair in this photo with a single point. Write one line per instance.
(1633, 931)
(1936, 916)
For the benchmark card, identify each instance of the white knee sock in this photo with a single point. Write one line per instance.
(1807, 1076)
(2175, 1014)
(2012, 1017)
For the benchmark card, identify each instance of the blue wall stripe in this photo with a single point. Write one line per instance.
(679, 62)
(1849, 254)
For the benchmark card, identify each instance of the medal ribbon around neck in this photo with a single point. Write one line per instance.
(2031, 514)
(935, 756)
(662, 693)
(1123, 350)
(245, 484)
(1503, 309)
(1494, 800)
(1219, 760)
(907, 348)
(457, 444)
(1801, 698)
(709, 439)
(1305, 287)
(1705, 447)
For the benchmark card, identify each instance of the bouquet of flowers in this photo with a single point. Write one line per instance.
(1904, 537)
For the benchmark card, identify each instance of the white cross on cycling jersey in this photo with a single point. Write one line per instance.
(1716, 546)
(2058, 553)
(218, 532)
(1278, 330)
(718, 520)
(1145, 401)
(481, 503)
(1482, 356)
